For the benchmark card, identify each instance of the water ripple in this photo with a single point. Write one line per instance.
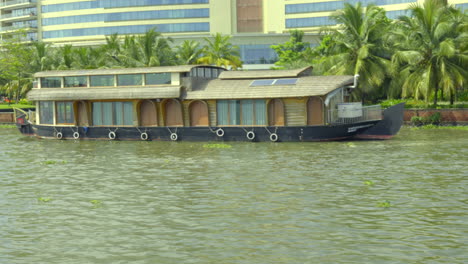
(397, 201)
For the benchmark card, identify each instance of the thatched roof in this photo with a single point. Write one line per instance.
(264, 74)
(161, 69)
(241, 89)
(65, 94)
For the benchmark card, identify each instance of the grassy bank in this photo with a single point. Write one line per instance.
(6, 106)
(7, 126)
(439, 127)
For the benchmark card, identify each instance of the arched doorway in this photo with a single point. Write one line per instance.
(148, 114)
(199, 114)
(314, 111)
(82, 114)
(276, 113)
(173, 113)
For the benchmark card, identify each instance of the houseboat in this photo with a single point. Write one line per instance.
(201, 103)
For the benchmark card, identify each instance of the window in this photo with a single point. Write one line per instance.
(309, 22)
(113, 113)
(46, 112)
(158, 78)
(129, 79)
(241, 112)
(65, 113)
(114, 3)
(136, 29)
(102, 80)
(127, 16)
(76, 81)
(51, 82)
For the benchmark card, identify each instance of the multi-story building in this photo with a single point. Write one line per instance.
(254, 24)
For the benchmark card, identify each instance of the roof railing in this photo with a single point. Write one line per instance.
(17, 2)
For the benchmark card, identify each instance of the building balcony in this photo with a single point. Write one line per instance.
(17, 4)
(27, 28)
(10, 18)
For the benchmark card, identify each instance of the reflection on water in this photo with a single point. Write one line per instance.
(167, 202)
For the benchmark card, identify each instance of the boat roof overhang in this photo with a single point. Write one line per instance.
(265, 74)
(161, 69)
(241, 89)
(114, 93)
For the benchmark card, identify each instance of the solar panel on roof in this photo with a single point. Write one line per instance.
(285, 81)
(262, 82)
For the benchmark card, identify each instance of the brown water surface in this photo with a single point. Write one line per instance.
(398, 201)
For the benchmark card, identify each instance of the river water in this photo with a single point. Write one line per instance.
(397, 201)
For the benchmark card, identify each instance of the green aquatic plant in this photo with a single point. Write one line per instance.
(384, 204)
(96, 203)
(44, 199)
(369, 183)
(219, 146)
(351, 144)
(51, 162)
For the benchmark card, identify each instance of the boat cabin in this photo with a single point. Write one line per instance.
(190, 96)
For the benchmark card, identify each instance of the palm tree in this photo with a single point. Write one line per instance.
(357, 47)
(430, 57)
(42, 59)
(188, 52)
(148, 50)
(220, 52)
(65, 57)
(88, 58)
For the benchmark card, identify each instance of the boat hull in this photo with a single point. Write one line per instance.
(387, 127)
(377, 129)
(260, 134)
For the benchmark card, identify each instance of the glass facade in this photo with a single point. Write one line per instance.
(125, 16)
(258, 54)
(65, 113)
(136, 29)
(335, 5)
(309, 22)
(114, 4)
(397, 13)
(241, 112)
(113, 113)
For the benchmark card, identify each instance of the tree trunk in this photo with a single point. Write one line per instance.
(452, 98)
(435, 95)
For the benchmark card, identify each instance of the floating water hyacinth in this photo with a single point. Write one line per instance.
(217, 146)
(44, 199)
(384, 204)
(51, 162)
(369, 183)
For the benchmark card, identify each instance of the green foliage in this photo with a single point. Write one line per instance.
(384, 204)
(219, 51)
(433, 119)
(293, 53)
(430, 57)
(44, 199)
(465, 128)
(420, 104)
(369, 183)
(357, 46)
(218, 146)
